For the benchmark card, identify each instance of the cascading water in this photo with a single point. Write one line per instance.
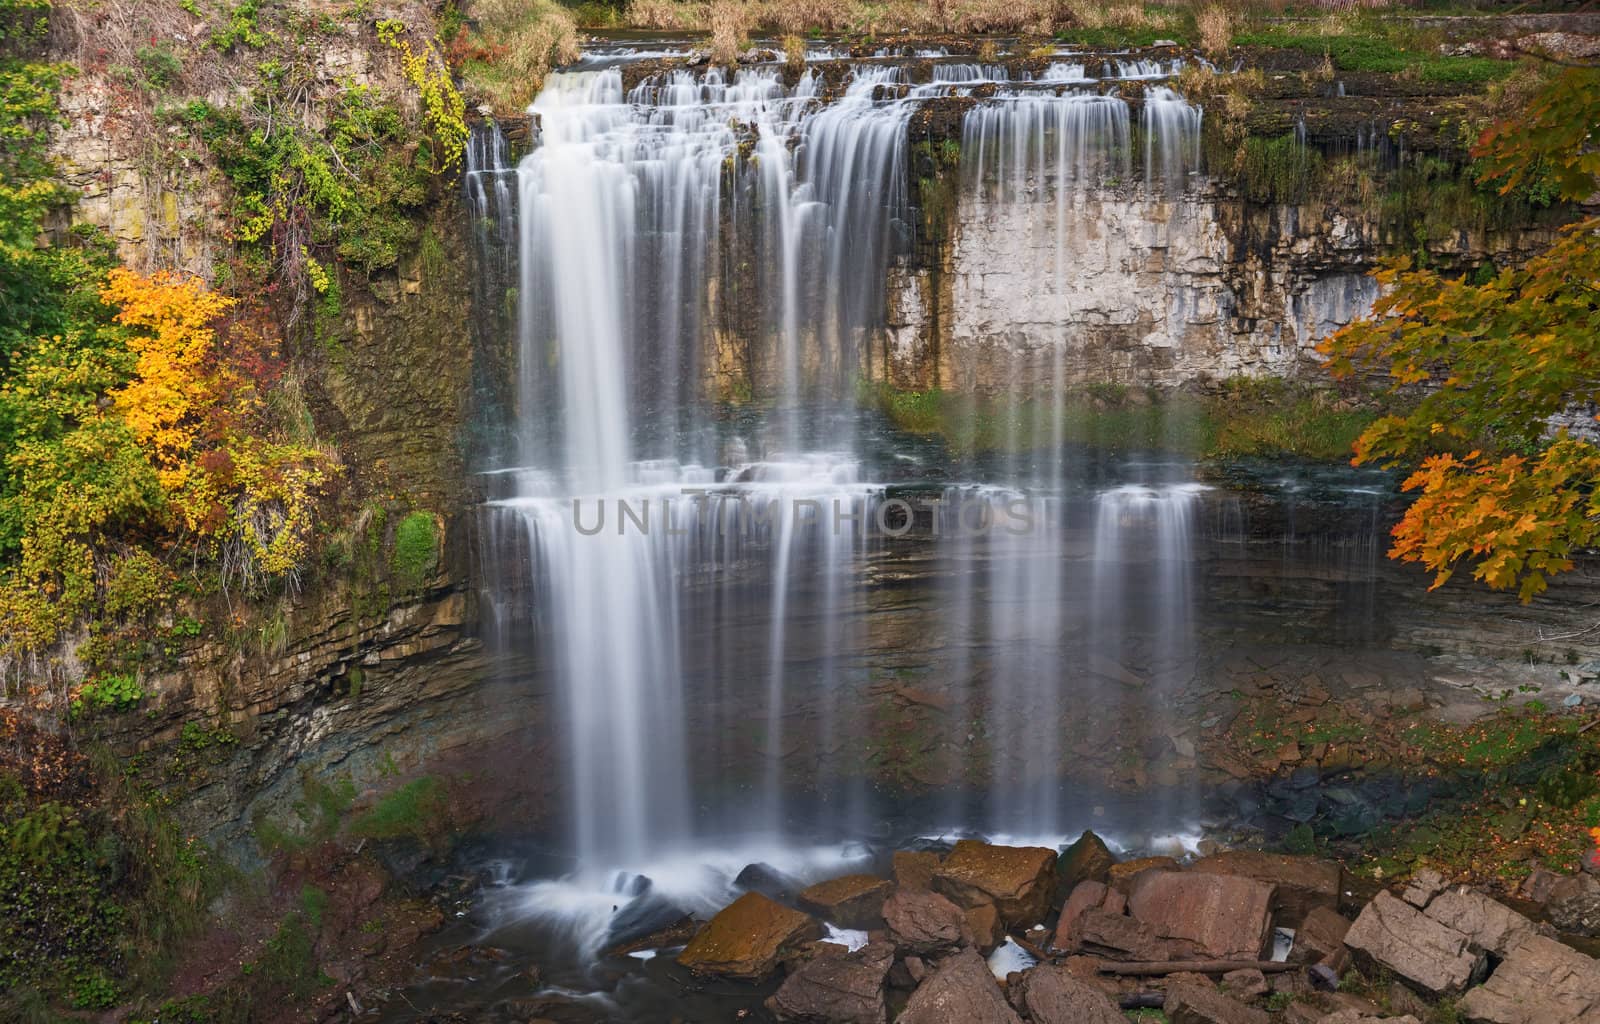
(631, 205)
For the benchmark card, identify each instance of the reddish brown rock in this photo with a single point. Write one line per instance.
(1319, 936)
(1122, 876)
(1303, 883)
(1018, 880)
(844, 989)
(1246, 984)
(1222, 916)
(913, 869)
(1085, 896)
(961, 991)
(1086, 860)
(854, 901)
(748, 938)
(1190, 1003)
(984, 924)
(1047, 994)
(925, 922)
(1119, 937)
(1431, 958)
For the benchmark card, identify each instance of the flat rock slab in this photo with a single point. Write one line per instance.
(1303, 883)
(925, 922)
(1048, 994)
(1540, 982)
(748, 938)
(1489, 924)
(1018, 880)
(854, 901)
(1319, 936)
(1430, 957)
(913, 869)
(1087, 895)
(962, 990)
(1100, 932)
(1122, 876)
(1196, 1003)
(837, 989)
(1222, 916)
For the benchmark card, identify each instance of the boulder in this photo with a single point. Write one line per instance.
(1018, 880)
(854, 901)
(1048, 994)
(768, 881)
(1432, 958)
(1488, 924)
(1246, 984)
(1223, 916)
(1122, 876)
(1319, 936)
(844, 989)
(1192, 1003)
(1119, 937)
(1540, 981)
(748, 938)
(1086, 860)
(1303, 883)
(984, 923)
(913, 869)
(1085, 896)
(1423, 887)
(925, 922)
(963, 990)
(1574, 905)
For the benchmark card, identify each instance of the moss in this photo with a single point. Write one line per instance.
(1373, 48)
(416, 549)
(416, 810)
(1279, 170)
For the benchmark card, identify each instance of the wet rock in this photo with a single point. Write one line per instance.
(1048, 994)
(1119, 937)
(854, 901)
(984, 923)
(1486, 923)
(748, 938)
(643, 916)
(1574, 905)
(1192, 1003)
(1222, 916)
(1541, 980)
(1423, 887)
(1084, 896)
(963, 990)
(1246, 984)
(1302, 882)
(1086, 860)
(1319, 936)
(844, 989)
(1122, 876)
(768, 881)
(913, 869)
(925, 922)
(1432, 958)
(1018, 880)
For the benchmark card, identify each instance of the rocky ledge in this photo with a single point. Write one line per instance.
(1234, 937)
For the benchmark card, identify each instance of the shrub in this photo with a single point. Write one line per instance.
(416, 549)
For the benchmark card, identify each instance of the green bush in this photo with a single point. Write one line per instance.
(416, 549)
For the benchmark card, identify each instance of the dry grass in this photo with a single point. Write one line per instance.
(794, 52)
(1214, 24)
(663, 14)
(513, 48)
(730, 22)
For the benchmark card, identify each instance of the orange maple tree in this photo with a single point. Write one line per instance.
(1503, 367)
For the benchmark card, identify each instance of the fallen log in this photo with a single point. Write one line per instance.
(1149, 970)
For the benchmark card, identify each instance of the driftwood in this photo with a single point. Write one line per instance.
(1146, 970)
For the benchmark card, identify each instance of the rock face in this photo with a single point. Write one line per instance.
(1303, 883)
(1486, 923)
(1196, 1003)
(1541, 980)
(1086, 860)
(748, 938)
(1018, 880)
(963, 990)
(1048, 994)
(854, 901)
(1431, 958)
(925, 922)
(837, 989)
(1222, 916)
